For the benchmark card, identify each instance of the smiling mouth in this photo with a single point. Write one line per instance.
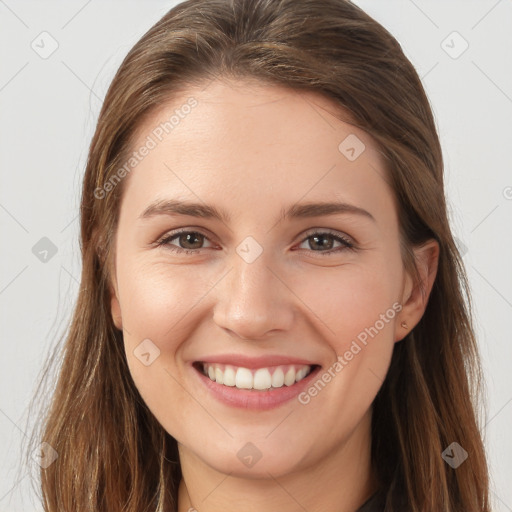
(257, 379)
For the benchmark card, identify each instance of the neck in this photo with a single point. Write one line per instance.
(340, 481)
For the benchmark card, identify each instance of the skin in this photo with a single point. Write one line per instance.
(253, 149)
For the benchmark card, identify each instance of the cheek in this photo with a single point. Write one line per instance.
(162, 302)
(158, 303)
(158, 299)
(357, 310)
(360, 310)
(350, 300)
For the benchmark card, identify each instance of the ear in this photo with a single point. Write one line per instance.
(415, 295)
(115, 308)
(105, 260)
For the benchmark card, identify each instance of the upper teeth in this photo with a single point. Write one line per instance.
(262, 378)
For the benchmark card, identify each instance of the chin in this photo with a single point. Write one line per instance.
(253, 460)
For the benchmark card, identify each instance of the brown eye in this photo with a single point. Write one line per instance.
(323, 242)
(317, 242)
(188, 241)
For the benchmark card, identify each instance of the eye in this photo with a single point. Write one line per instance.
(319, 240)
(191, 240)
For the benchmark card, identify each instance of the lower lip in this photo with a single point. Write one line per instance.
(255, 399)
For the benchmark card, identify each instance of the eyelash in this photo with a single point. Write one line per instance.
(165, 241)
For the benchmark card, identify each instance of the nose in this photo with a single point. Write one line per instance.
(253, 300)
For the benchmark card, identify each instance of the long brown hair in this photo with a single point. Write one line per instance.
(113, 455)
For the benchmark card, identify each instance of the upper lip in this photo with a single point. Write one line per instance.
(255, 362)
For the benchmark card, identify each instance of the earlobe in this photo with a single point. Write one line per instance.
(416, 295)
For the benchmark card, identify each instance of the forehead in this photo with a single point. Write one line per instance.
(239, 107)
(254, 144)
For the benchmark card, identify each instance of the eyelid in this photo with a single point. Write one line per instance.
(328, 231)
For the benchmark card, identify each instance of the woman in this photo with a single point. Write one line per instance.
(272, 311)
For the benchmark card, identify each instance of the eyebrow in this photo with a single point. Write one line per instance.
(173, 207)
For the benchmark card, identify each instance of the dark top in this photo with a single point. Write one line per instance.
(374, 503)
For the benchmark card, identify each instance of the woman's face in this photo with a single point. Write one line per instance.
(273, 289)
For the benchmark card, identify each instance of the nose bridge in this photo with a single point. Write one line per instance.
(252, 301)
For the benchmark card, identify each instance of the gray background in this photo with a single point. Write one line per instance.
(49, 107)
